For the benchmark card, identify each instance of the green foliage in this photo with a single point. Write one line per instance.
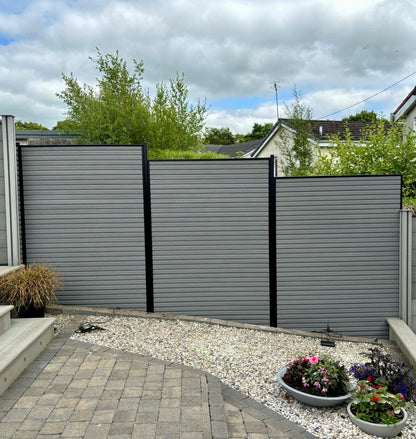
(21, 125)
(364, 116)
(119, 111)
(259, 131)
(298, 156)
(66, 126)
(32, 285)
(218, 136)
(385, 150)
(169, 154)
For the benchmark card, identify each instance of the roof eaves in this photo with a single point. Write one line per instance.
(266, 140)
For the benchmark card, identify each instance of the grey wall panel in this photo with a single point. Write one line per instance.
(84, 215)
(338, 253)
(3, 231)
(210, 238)
(414, 259)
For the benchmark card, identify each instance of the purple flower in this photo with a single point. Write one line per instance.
(317, 385)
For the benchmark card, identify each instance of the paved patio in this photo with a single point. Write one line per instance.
(79, 390)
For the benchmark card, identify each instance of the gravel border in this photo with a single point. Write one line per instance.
(247, 360)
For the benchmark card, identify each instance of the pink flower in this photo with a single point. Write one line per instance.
(305, 385)
(314, 360)
(304, 359)
(390, 413)
(324, 390)
(316, 384)
(324, 380)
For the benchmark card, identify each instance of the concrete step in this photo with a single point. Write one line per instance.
(24, 340)
(5, 318)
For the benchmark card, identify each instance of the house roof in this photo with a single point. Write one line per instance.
(321, 132)
(406, 105)
(234, 150)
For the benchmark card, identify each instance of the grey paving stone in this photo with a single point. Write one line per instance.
(103, 416)
(219, 429)
(16, 415)
(82, 415)
(147, 431)
(192, 412)
(21, 434)
(236, 429)
(170, 402)
(53, 427)
(190, 425)
(117, 428)
(75, 429)
(95, 431)
(167, 427)
(61, 414)
(125, 416)
(169, 413)
(147, 417)
(31, 424)
(8, 429)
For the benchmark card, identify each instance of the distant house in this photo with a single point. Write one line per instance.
(44, 137)
(406, 111)
(283, 133)
(237, 149)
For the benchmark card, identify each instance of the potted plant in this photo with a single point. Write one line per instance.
(386, 371)
(376, 411)
(316, 381)
(30, 289)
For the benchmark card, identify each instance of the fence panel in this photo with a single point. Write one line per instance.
(84, 214)
(338, 253)
(210, 238)
(414, 273)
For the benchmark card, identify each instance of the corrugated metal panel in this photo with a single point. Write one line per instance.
(338, 253)
(84, 214)
(210, 238)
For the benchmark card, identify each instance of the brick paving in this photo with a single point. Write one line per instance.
(80, 390)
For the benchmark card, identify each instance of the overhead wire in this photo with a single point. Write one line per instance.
(366, 99)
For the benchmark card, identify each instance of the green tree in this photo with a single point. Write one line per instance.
(119, 111)
(259, 131)
(21, 125)
(66, 126)
(298, 152)
(364, 116)
(386, 149)
(218, 136)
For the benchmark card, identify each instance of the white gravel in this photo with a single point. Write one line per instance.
(246, 360)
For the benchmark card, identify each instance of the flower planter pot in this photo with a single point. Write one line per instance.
(379, 430)
(313, 400)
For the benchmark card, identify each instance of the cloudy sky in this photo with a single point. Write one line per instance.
(337, 52)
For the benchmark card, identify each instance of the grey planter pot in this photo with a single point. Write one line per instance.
(316, 401)
(379, 430)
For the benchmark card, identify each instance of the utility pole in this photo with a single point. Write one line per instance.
(276, 89)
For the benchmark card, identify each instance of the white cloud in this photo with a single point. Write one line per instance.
(336, 52)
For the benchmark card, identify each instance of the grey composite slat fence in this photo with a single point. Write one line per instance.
(84, 214)
(210, 238)
(338, 253)
(414, 272)
(3, 235)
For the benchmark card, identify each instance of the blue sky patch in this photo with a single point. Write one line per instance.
(237, 103)
(5, 41)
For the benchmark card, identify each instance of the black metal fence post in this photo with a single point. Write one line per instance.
(272, 245)
(147, 211)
